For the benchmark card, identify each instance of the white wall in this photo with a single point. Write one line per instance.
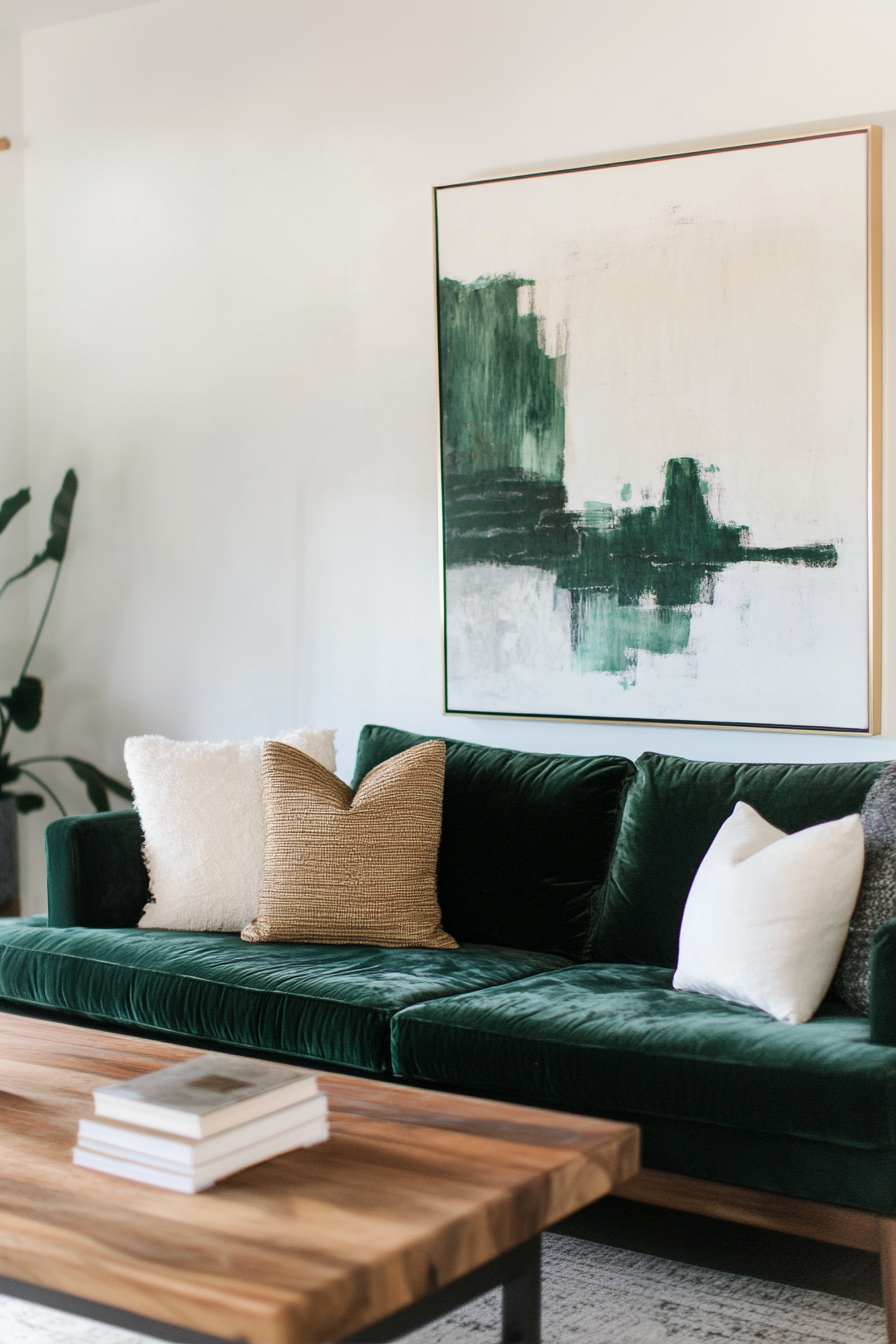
(13, 455)
(230, 327)
(12, 270)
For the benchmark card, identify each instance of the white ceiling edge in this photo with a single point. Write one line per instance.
(22, 16)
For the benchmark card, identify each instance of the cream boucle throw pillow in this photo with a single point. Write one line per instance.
(343, 867)
(767, 913)
(203, 825)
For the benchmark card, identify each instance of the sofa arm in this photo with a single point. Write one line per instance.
(95, 871)
(882, 985)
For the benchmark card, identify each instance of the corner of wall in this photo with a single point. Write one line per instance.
(13, 441)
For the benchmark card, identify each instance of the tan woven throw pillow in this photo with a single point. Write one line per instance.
(343, 867)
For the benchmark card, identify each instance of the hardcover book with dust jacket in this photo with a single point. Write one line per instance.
(116, 1139)
(205, 1096)
(191, 1165)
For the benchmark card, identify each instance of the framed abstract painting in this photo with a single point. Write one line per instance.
(660, 422)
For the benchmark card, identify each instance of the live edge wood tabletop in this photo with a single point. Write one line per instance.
(413, 1190)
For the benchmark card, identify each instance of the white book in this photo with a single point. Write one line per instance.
(117, 1139)
(206, 1095)
(191, 1182)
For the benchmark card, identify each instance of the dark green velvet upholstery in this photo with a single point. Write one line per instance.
(859, 1178)
(882, 985)
(526, 839)
(95, 870)
(325, 1005)
(721, 1092)
(673, 810)
(619, 1039)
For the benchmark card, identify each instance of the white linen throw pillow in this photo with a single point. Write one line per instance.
(767, 914)
(203, 825)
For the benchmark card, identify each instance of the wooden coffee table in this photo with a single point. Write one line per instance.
(419, 1201)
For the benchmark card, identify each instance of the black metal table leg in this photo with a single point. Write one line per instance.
(521, 1305)
(518, 1273)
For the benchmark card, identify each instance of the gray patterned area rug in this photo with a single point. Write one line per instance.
(592, 1295)
(601, 1295)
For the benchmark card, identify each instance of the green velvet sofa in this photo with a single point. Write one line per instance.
(564, 880)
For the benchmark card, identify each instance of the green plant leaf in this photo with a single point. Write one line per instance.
(109, 781)
(8, 773)
(25, 702)
(28, 802)
(60, 522)
(10, 507)
(97, 782)
(61, 517)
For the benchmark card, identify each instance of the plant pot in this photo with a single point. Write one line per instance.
(9, 856)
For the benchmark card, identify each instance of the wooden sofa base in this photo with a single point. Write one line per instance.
(778, 1213)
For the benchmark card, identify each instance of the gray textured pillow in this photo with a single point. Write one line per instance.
(877, 899)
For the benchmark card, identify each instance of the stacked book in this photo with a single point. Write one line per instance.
(189, 1125)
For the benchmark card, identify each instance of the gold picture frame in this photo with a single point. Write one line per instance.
(550, 609)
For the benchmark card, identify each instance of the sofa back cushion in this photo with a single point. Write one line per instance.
(673, 810)
(526, 839)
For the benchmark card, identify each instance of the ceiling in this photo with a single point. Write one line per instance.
(22, 15)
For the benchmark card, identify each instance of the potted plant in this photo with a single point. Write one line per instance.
(22, 707)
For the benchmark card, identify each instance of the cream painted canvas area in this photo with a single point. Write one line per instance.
(655, 437)
(768, 913)
(203, 825)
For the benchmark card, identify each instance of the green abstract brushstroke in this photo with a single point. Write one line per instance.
(501, 393)
(605, 633)
(634, 575)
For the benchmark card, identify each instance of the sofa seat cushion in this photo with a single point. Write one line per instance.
(327, 1005)
(673, 811)
(619, 1041)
